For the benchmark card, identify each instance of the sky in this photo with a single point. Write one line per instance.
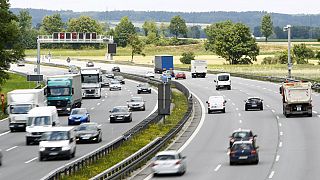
(276, 6)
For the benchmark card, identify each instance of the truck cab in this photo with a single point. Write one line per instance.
(20, 102)
(91, 79)
(40, 119)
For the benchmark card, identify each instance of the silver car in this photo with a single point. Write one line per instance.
(114, 85)
(136, 103)
(169, 162)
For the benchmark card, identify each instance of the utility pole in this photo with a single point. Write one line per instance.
(288, 29)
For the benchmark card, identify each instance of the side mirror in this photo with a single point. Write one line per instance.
(53, 123)
(214, 80)
(184, 157)
(71, 140)
(255, 136)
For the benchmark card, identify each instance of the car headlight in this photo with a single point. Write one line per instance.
(127, 115)
(111, 115)
(42, 148)
(68, 109)
(65, 148)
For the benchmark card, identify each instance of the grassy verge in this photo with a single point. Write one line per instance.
(15, 82)
(138, 141)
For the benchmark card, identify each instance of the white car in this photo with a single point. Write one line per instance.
(136, 103)
(114, 85)
(169, 162)
(150, 74)
(216, 103)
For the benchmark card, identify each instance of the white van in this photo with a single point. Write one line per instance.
(223, 81)
(58, 142)
(216, 103)
(40, 119)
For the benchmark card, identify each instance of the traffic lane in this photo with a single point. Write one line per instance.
(4, 126)
(297, 143)
(209, 148)
(45, 70)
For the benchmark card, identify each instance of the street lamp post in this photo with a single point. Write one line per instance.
(288, 28)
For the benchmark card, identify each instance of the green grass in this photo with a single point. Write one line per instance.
(137, 142)
(15, 82)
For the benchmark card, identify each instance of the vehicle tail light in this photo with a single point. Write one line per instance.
(232, 153)
(178, 162)
(231, 140)
(253, 152)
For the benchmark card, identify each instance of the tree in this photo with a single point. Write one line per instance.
(266, 26)
(84, 24)
(178, 26)
(194, 32)
(150, 27)
(152, 38)
(10, 47)
(302, 53)
(163, 28)
(187, 57)
(28, 34)
(51, 24)
(232, 42)
(123, 31)
(137, 46)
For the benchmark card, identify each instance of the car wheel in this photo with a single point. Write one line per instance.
(246, 109)
(209, 111)
(224, 110)
(229, 88)
(231, 163)
(27, 142)
(261, 108)
(41, 158)
(69, 156)
(310, 115)
(144, 108)
(138, 92)
(150, 92)
(256, 161)
(217, 88)
(74, 153)
(130, 119)
(11, 130)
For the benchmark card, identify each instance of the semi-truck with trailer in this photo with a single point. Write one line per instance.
(64, 92)
(296, 98)
(163, 63)
(20, 102)
(198, 68)
(91, 79)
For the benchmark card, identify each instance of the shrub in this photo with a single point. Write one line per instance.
(187, 57)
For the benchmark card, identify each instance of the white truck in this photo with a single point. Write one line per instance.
(199, 68)
(91, 82)
(20, 102)
(296, 98)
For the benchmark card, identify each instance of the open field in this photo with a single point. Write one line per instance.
(15, 82)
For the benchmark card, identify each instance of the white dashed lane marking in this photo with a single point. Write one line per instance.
(92, 108)
(280, 144)
(217, 168)
(98, 104)
(31, 160)
(271, 175)
(11, 148)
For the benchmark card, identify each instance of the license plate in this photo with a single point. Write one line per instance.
(119, 117)
(243, 157)
(85, 137)
(77, 120)
(53, 153)
(20, 125)
(253, 105)
(144, 90)
(298, 108)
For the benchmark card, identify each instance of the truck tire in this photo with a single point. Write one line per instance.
(27, 142)
(224, 110)
(229, 87)
(309, 114)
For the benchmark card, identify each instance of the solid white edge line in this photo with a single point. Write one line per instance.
(203, 115)
(217, 168)
(11, 148)
(7, 132)
(271, 175)
(31, 160)
(4, 119)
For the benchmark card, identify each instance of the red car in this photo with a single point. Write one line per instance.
(180, 75)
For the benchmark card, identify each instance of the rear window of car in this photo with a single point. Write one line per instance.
(241, 134)
(223, 78)
(216, 98)
(244, 146)
(165, 157)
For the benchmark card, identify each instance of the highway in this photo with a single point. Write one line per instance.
(21, 161)
(288, 146)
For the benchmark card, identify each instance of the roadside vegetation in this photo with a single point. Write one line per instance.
(15, 81)
(138, 141)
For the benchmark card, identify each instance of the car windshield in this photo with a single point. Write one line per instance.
(55, 136)
(79, 111)
(254, 99)
(223, 78)
(20, 109)
(119, 77)
(241, 134)
(243, 146)
(119, 109)
(165, 157)
(89, 78)
(58, 91)
(41, 121)
(87, 128)
(136, 100)
(143, 85)
(115, 82)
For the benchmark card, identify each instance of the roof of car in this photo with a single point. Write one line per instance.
(242, 130)
(171, 152)
(60, 128)
(243, 142)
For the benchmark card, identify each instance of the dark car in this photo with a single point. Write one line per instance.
(181, 75)
(90, 64)
(78, 116)
(88, 132)
(243, 152)
(120, 114)
(120, 79)
(242, 135)
(143, 88)
(253, 103)
(116, 69)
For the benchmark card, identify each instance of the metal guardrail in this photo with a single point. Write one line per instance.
(127, 166)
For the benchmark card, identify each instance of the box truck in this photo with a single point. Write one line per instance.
(198, 68)
(163, 63)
